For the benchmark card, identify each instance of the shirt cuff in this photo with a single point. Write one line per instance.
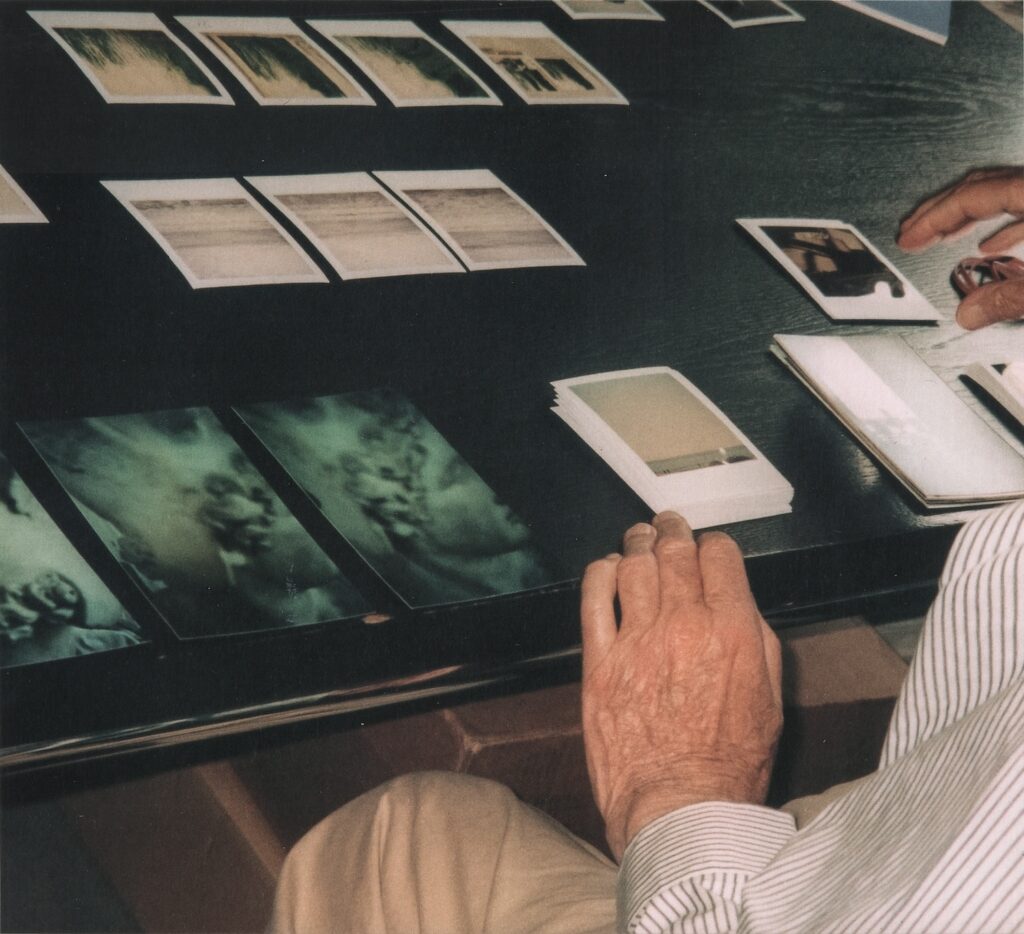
(719, 837)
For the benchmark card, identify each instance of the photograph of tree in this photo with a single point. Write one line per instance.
(197, 527)
(52, 604)
(407, 501)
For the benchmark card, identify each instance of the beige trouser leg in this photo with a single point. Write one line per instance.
(446, 853)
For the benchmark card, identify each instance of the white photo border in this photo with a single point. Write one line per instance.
(198, 189)
(468, 30)
(786, 15)
(454, 179)
(271, 186)
(652, 15)
(917, 307)
(203, 27)
(52, 20)
(32, 214)
(354, 28)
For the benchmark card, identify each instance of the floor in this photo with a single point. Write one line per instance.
(198, 849)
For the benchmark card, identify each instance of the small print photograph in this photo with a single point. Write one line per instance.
(131, 58)
(739, 13)
(215, 233)
(610, 9)
(15, 206)
(535, 63)
(275, 61)
(193, 522)
(410, 68)
(665, 424)
(481, 219)
(840, 269)
(52, 604)
(362, 230)
(407, 501)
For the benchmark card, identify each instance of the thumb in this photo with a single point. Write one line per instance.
(995, 301)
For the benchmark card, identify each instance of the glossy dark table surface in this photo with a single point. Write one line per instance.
(839, 116)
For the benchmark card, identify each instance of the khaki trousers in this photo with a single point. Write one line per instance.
(445, 853)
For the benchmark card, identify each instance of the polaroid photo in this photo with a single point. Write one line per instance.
(738, 13)
(928, 19)
(906, 415)
(215, 233)
(484, 222)
(837, 266)
(402, 496)
(410, 68)
(1010, 12)
(535, 63)
(52, 604)
(197, 527)
(131, 58)
(275, 61)
(672, 445)
(1001, 382)
(16, 207)
(362, 230)
(610, 9)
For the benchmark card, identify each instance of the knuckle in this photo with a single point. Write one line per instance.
(718, 544)
(674, 548)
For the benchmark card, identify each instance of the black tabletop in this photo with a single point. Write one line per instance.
(839, 117)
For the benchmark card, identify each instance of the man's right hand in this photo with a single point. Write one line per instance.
(954, 211)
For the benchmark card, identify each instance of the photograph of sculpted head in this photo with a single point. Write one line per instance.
(131, 58)
(418, 514)
(52, 604)
(405, 63)
(275, 61)
(536, 64)
(195, 524)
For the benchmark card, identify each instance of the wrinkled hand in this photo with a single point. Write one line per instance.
(682, 702)
(954, 211)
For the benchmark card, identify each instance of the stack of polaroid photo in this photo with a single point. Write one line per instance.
(672, 445)
(905, 415)
(1003, 383)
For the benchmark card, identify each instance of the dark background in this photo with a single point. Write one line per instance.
(838, 117)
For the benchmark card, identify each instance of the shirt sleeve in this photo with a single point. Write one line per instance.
(686, 871)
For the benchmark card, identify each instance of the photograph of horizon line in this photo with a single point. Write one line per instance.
(53, 605)
(16, 207)
(610, 9)
(214, 231)
(407, 65)
(276, 62)
(481, 219)
(200, 531)
(535, 63)
(402, 496)
(131, 58)
(359, 227)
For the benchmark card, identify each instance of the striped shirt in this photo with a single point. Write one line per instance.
(931, 842)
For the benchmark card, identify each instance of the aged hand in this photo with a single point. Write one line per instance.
(682, 701)
(954, 211)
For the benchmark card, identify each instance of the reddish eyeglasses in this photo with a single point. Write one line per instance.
(974, 272)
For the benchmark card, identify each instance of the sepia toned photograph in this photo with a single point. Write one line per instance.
(16, 207)
(535, 63)
(361, 229)
(52, 604)
(837, 266)
(610, 9)
(197, 527)
(215, 233)
(410, 68)
(275, 61)
(739, 13)
(481, 219)
(131, 58)
(407, 501)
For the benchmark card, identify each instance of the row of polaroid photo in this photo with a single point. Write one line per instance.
(132, 58)
(387, 224)
(213, 548)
